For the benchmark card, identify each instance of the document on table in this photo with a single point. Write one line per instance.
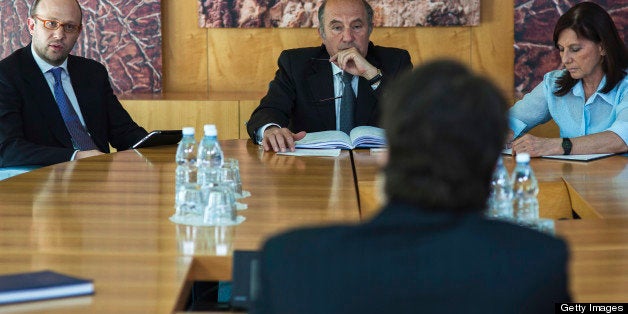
(312, 152)
(587, 157)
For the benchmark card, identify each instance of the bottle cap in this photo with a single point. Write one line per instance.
(500, 160)
(523, 157)
(210, 129)
(188, 130)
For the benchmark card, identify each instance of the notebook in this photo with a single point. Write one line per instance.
(41, 285)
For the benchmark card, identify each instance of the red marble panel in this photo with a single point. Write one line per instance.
(535, 53)
(123, 35)
(303, 13)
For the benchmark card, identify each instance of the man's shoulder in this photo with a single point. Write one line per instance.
(521, 238)
(293, 240)
(84, 62)
(78, 65)
(382, 50)
(304, 52)
(13, 58)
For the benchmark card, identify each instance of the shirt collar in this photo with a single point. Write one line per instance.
(335, 69)
(45, 66)
(578, 90)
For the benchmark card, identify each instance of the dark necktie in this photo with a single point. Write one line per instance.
(80, 137)
(347, 103)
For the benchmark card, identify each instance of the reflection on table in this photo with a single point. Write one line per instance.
(106, 218)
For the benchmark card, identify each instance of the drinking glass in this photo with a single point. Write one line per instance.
(221, 206)
(230, 173)
(189, 201)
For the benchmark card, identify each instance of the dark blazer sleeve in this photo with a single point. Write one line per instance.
(32, 131)
(105, 118)
(276, 106)
(25, 120)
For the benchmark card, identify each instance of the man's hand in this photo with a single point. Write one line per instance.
(87, 153)
(280, 139)
(537, 146)
(350, 60)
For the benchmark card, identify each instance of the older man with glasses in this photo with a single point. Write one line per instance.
(56, 107)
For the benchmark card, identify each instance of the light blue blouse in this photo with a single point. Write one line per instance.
(575, 117)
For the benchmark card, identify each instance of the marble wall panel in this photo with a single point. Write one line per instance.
(123, 35)
(303, 13)
(535, 53)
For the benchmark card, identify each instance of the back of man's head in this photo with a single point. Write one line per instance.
(445, 127)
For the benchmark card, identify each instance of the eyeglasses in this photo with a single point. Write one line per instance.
(54, 25)
(330, 98)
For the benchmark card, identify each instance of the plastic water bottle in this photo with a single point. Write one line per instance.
(525, 189)
(210, 157)
(500, 197)
(186, 159)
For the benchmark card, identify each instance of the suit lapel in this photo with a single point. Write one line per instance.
(46, 100)
(84, 93)
(320, 80)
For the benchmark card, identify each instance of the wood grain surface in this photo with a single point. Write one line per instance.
(106, 218)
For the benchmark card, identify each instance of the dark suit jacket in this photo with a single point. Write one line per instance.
(300, 96)
(407, 260)
(32, 131)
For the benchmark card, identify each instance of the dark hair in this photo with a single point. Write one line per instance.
(592, 22)
(33, 9)
(445, 128)
(367, 7)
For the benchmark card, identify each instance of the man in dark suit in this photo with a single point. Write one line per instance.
(39, 79)
(305, 95)
(430, 249)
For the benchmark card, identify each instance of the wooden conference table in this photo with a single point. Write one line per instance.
(106, 218)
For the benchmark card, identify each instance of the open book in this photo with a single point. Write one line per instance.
(361, 136)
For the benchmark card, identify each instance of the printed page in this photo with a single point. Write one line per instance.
(368, 136)
(325, 139)
(312, 152)
(587, 157)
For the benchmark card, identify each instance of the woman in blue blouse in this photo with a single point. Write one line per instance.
(588, 99)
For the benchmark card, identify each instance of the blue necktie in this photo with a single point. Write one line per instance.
(347, 103)
(80, 137)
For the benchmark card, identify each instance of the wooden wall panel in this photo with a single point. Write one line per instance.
(492, 51)
(184, 48)
(175, 114)
(219, 60)
(246, 108)
(247, 58)
(426, 43)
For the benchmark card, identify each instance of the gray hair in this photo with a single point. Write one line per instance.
(321, 12)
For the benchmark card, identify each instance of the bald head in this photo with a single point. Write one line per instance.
(36, 4)
(321, 13)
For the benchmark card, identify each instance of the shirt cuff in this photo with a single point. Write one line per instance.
(259, 135)
(74, 155)
(517, 126)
